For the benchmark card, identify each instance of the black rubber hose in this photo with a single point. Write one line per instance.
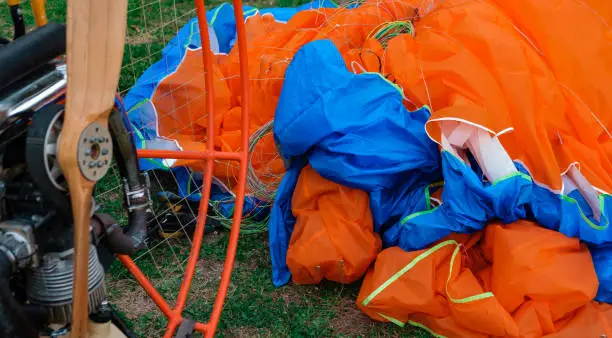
(127, 163)
(31, 51)
(125, 241)
(114, 237)
(121, 325)
(137, 228)
(14, 323)
(18, 23)
(124, 149)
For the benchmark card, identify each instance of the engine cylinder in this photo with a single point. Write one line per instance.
(50, 285)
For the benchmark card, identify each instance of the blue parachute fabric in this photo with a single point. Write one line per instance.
(286, 13)
(171, 56)
(141, 112)
(221, 19)
(395, 205)
(572, 216)
(389, 205)
(365, 138)
(282, 221)
(190, 184)
(602, 260)
(468, 203)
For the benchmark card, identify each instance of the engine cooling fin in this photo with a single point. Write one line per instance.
(51, 284)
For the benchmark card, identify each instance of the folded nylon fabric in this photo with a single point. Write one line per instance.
(514, 280)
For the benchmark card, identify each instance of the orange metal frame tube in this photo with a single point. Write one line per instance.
(40, 14)
(174, 315)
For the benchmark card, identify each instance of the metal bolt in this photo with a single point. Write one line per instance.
(88, 152)
(100, 164)
(104, 306)
(104, 151)
(92, 164)
(60, 332)
(92, 140)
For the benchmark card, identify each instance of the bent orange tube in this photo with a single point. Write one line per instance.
(146, 285)
(188, 155)
(235, 232)
(175, 315)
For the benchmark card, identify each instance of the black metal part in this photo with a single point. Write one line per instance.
(18, 23)
(11, 129)
(124, 149)
(185, 330)
(14, 322)
(35, 154)
(138, 198)
(105, 256)
(112, 235)
(36, 314)
(180, 219)
(103, 314)
(121, 325)
(30, 193)
(31, 51)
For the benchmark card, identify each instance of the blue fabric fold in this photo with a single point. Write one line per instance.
(352, 129)
(468, 203)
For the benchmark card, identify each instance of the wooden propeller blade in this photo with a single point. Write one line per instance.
(96, 35)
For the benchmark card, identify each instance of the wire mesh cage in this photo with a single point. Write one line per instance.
(180, 124)
(186, 163)
(168, 266)
(202, 119)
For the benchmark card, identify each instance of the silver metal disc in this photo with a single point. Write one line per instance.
(95, 151)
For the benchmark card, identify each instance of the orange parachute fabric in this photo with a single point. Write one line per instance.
(515, 280)
(330, 240)
(519, 71)
(533, 73)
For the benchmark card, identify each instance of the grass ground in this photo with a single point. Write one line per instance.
(253, 306)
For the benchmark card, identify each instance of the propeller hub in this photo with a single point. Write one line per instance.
(95, 151)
